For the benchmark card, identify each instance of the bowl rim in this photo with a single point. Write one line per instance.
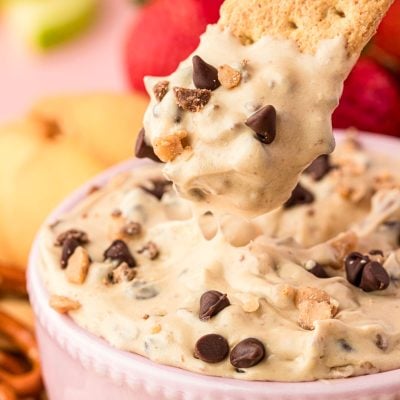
(133, 369)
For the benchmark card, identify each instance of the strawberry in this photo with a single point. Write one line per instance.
(165, 33)
(370, 100)
(388, 35)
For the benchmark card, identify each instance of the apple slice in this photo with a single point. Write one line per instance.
(44, 24)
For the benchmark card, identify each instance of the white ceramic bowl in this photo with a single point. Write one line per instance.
(80, 366)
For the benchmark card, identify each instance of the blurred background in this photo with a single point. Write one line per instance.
(72, 100)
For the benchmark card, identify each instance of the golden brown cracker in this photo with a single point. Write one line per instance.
(307, 22)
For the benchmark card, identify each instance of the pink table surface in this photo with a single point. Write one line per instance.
(92, 62)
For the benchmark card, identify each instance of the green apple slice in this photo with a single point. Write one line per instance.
(44, 24)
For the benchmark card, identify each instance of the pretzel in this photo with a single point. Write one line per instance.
(12, 280)
(27, 383)
(6, 392)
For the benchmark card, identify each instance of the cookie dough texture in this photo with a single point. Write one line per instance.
(311, 328)
(62, 142)
(306, 22)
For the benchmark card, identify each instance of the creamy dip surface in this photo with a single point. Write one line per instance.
(310, 291)
(237, 124)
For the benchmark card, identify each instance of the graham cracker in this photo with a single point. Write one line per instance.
(307, 22)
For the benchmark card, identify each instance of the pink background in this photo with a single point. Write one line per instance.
(92, 62)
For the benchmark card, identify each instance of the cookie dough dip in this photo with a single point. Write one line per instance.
(251, 108)
(303, 293)
(131, 265)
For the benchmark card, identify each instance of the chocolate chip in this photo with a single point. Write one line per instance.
(119, 251)
(205, 76)
(160, 89)
(80, 236)
(150, 250)
(319, 271)
(192, 100)
(142, 149)
(211, 348)
(247, 353)
(354, 264)
(160, 186)
(263, 123)
(319, 167)
(211, 303)
(69, 246)
(299, 196)
(345, 346)
(381, 342)
(376, 252)
(374, 277)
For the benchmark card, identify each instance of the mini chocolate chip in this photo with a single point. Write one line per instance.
(205, 76)
(247, 353)
(211, 303)
(354, 264)
(345, 346)
(146, 293)
(120, 252)
(69, 246)
(376, 252)
(381, 342)
(263, 123)
(374, 277)
(80, 236)
(299, 196)
(160, 186)
(211, 348)
(192, 100)
(160, 89)
(319, 271)
(142, 149)
(319, 167)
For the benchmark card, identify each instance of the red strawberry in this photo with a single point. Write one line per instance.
(370, 101)
(388, 36)
(164, 33)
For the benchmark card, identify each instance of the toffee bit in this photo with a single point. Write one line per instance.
(192, 100)
(160, 89)
(119, 251)
(63, 304)
(150, 250)
(205, 76)
(116, 213)
(123, 273)
(78, 266)
(132, 229)
(169, 147)
(80, 236)
(299, 196)
(228, 76)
